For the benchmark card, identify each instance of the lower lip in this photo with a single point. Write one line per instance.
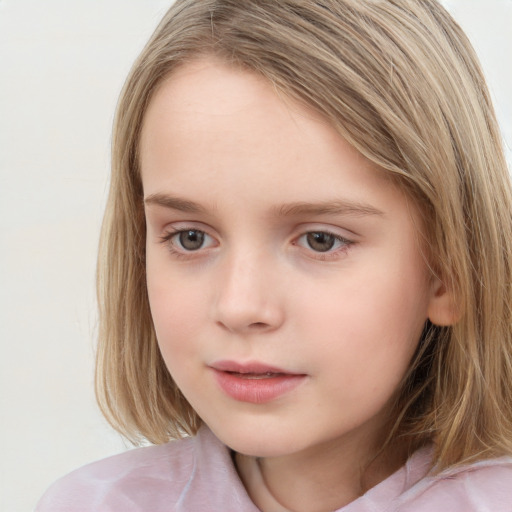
(257, 390)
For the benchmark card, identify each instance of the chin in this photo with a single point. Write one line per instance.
(257, 442)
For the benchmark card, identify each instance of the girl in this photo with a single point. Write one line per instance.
(305, 268)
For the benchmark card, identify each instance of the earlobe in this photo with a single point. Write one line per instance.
(443, 309)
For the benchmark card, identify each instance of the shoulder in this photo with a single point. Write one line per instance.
(480, 487)
(141, 479)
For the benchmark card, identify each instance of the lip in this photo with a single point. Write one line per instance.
(254, 382)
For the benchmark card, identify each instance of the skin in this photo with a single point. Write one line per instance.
(347, 319)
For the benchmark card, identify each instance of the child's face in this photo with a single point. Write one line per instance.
(275, 249)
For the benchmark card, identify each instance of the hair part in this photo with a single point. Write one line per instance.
(400, 82)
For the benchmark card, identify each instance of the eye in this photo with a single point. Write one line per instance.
(188, 240)
(191, 240)
(322, 241)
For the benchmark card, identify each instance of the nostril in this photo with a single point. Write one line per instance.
(258, 325)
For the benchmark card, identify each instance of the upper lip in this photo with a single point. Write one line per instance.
(248, 367)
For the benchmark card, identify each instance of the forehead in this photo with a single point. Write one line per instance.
(210, 125)
(207, 97)
(209, 81)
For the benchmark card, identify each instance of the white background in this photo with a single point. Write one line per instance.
(62, 64)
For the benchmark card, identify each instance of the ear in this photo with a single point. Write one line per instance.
(442, 308)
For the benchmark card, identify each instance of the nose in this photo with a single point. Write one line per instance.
(248, 299)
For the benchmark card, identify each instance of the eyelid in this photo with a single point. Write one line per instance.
(339, 238)
(333, 253)
(173, 231)
(342, 244)
(334, 230)
(179, 226)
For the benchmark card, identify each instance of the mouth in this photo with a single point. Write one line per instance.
(249, 368)
(256, 376)
(254, 382)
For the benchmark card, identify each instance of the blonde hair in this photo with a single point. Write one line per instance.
(400, 81)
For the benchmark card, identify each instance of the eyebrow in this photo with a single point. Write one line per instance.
(336, 207)
(174, 203)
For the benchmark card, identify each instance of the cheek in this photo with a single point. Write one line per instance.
(177, 308)
(176, 319)
(371, 322)
(176, 313)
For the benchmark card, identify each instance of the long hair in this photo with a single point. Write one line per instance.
(400, 82)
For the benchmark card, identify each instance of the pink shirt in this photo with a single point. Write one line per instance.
(198, 475)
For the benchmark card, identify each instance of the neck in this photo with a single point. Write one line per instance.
(320, 480)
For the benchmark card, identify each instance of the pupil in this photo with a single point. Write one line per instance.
(191, 240)
(321, 242)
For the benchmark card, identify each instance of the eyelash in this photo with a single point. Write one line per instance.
(330, 253)
(167, 239)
